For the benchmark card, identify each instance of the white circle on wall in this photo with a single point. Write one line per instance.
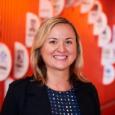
(86, 6)
(58, 6)
(5, 61)
(45, 9)
(104, 37)
(94, 12)
(32, 25)
(21, 62)
(108, 54)
(108, 74)
(100, 23)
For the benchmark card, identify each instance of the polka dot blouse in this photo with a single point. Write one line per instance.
(63, 102)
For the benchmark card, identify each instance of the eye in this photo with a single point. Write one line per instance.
(52, 41)
(68, 42)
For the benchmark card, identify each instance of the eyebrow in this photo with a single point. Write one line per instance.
(53, 38)
(68, 38)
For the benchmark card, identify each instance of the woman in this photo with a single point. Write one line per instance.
(57, 87)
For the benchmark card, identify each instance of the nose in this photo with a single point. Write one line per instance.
(62, 47)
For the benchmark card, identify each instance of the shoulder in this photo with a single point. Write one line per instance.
(21, 86)
(18, 86)
(24, 82)
(87, 87)
(19, 89)
(83, 84)
(20, 81)
(88, 93)
(87, 90)
(27, 85)
(17, 93)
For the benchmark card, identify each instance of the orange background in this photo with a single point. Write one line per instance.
(12, 28)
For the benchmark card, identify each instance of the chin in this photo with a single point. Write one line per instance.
(62, 68)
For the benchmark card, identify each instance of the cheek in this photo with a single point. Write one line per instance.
(74, 54)
(72, 51)
(46, 51)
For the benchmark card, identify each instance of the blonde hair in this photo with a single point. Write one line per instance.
(37, 62)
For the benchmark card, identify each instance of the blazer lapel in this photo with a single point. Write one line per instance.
(36, 101)
(84, 98)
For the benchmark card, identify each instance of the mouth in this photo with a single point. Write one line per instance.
(60, 57)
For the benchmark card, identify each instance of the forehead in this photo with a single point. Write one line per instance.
(61, 28)
(58, 25)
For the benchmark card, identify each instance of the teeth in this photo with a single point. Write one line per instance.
(60, 57)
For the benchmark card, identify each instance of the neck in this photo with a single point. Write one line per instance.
(58, 80)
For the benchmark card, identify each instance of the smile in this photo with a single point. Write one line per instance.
(60, 57)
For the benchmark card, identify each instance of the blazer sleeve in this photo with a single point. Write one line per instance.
(88, 99)
(95, 97)
(14, 100)
(10, 103)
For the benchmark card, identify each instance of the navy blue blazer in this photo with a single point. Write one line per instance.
(28, 97)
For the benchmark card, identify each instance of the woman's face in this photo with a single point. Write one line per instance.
(59, 49)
